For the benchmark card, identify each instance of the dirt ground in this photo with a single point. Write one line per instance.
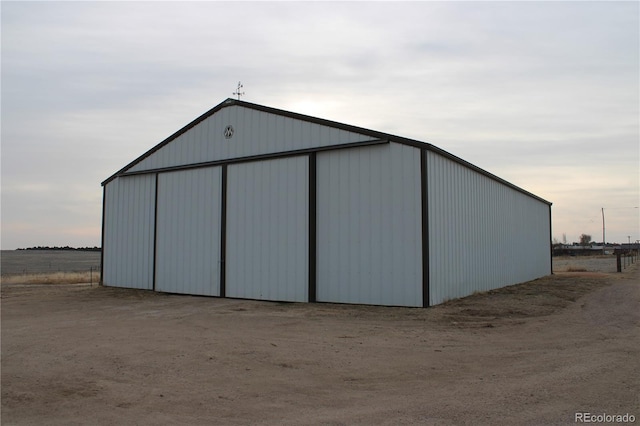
(531, 354)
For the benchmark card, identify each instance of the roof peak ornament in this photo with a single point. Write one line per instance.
(238, 92)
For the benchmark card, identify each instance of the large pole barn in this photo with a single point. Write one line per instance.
(254, 202)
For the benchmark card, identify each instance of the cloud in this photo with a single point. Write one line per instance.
(545, 94)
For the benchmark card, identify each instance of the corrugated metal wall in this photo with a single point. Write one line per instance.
(267, 229)
(256, 133)
(188, 239)
(128, 240)
(369, 226)
(482, 234)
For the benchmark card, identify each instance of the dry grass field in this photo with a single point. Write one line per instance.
(599, 263)
(29, 262)
(50, 267)
(88, 277)
(530, 354)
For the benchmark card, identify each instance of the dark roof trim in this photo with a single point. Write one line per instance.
(259, 157)
(482, 172)
(355, 129)
(204, 116)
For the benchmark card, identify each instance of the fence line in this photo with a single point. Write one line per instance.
(90, 275)
(625, 259)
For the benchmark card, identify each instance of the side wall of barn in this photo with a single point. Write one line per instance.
(482, 233)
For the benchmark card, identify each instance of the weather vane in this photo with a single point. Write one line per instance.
(238, 92)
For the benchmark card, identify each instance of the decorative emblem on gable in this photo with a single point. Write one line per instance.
(228, 132)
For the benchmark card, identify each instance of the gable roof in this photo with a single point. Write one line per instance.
(375, 135)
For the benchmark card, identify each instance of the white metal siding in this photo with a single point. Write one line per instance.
(369, 226)
(482, 234)
(256, 133)
(267, 230)
(188, 236)
(128, 236)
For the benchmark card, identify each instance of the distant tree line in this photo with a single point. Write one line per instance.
(94, 248)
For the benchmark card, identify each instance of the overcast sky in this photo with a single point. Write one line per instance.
(542, 94)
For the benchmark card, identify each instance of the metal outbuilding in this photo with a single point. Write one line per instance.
(254, 202)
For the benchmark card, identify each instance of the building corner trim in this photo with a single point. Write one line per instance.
(104, 207)
(425, 228)
(312, 227)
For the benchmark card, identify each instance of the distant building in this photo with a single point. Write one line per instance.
(254, 202)
(578, 250)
